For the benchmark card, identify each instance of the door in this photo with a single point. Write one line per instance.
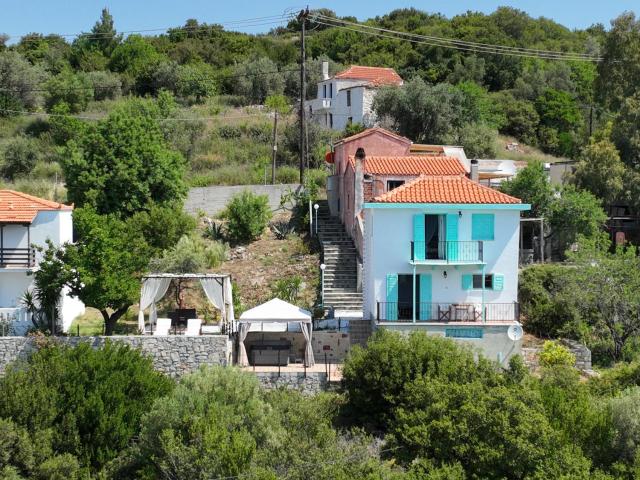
(406, 296)
(452, 237)
(424, 298)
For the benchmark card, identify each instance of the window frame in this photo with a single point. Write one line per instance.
(488, 278)
(348, 98)
(398, 182)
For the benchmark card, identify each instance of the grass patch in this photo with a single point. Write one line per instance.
(526, 154)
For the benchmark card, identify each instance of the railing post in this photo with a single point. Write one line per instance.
(378, 311)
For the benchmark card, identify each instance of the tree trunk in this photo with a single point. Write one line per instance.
(110, 320)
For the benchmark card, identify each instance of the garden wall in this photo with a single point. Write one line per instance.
(312, 383)
(172, 355)
(212, 200)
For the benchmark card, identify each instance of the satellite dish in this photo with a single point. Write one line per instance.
(515, 332)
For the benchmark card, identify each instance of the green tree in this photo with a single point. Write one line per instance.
(106, 85)
(247, 216)
(103, 33)
(80, 401)
(256, 79)
(626, 131)
(123, 164)
(558, 110)
(20, 157)
(531, 186)
(600, 169)
(521, 118)
(195, 81)
(17, 77)
(134, 57)
(74, 90)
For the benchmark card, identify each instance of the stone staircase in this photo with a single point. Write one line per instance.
(340, 258)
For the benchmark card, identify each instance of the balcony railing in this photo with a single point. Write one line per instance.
(447, 312)
(447, 251)
(17, 257)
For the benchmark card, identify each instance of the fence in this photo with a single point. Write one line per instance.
(447, 251)
(446, 312)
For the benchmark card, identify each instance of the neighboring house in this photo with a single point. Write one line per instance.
(347, 97)
(26, 221)
(440, 254)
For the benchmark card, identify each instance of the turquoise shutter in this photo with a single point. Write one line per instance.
(392, 297)
(452, 237)
(482, 226)
(467, 282)
(425, 297)
(498, 282)
(418, 237)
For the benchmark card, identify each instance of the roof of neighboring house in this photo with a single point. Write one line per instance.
(370, 131)
(411, 165)
(18, 207)
(445, 189)
(376, 76)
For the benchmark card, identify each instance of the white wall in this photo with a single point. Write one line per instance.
(13, 284)
(360, 109)
(388, 236)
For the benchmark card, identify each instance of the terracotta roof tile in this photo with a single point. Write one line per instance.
(411, 165)
(445, 189)
(18, 207)
(376, 76)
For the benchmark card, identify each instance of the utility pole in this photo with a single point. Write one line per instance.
(302, 17)
(275, 147)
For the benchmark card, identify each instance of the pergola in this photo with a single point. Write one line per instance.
(217, 288)
(275, 311)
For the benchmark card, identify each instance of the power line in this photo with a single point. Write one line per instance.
(450, 43)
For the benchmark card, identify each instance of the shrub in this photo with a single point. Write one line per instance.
(625, 412)
(286, 174)
(247, 216)
(288, 289)
(191, 254)
(282, 229)
(553, 354)
(229, 131)
(20, 157)
(89, 400)
(106, 85)
(69, 88)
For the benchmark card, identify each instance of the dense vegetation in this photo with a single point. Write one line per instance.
(415, 407)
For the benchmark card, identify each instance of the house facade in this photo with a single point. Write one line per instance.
(26, 221)
(347, 97)
(440, 254)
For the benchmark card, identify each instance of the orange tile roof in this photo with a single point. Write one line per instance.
(370, 131)
(411, 165)
(18, 207)
(445, 189)
(376, 76)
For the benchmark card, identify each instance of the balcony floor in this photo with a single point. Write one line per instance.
(446, 262)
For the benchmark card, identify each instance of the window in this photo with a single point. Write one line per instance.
(331, 120)
(482, 226)
(488, 282)
(349, 120)
(331, 90)
(348, 98)
(391, 184)
(324, 92)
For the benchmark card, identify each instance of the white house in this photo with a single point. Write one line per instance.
(26, 221)
(440, 253)
(347, 97)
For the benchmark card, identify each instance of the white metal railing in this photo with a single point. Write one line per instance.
(14, 321)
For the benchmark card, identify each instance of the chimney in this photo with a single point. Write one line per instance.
(474, 174)
(359, 181)
(325, 70)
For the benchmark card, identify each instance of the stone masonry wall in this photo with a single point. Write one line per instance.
(531, 355)
(172, 355)
(313, 383)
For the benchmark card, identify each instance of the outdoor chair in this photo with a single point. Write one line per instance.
(193, 327)
(163, 325)
(211, 329)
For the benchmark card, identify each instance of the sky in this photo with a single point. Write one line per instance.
(72, 16)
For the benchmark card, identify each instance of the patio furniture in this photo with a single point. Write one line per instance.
(211, 330)
(163, 325)
(462, 312)
(444, 313)
(193, 327)
(271, 353)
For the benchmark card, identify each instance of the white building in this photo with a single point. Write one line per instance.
(440, 253)
(26, 221)
(347, 97)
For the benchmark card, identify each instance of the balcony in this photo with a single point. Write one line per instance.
(17, 257)
(447, 312)
(447, 252)
(319, 104)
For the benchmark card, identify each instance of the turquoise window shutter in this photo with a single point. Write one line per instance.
(498, 281)
(419, 246)
(425, 297)
(482, 226)
(451, 236)
(467, 282)
(392, 297)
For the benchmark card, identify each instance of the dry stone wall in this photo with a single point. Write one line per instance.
(172, 355)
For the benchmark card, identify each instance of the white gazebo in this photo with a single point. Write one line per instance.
(216, 287)
(275, 311)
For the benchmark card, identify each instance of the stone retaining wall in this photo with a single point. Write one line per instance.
(531, 355)
(172, 355)
(313, 383)
(212, 200)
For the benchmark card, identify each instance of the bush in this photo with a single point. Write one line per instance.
(229, 131)
(625, 412)
(191, 254)
(106, 85)
(553, 354)
(286, 174)
(89, 401)
(287, 289)
(247, 216)
(20, 157)
(69, 88)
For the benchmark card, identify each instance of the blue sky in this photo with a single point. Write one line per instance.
(71, 16)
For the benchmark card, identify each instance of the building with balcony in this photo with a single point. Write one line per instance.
(440, 253)
(347, 97)
(25, 222)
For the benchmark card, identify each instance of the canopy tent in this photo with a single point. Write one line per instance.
(275, 311)
(217, 289)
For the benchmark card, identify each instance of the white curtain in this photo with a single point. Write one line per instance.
(213, 290)
(228, 299)
(309, 361)
(153, 289)
(243, 329)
